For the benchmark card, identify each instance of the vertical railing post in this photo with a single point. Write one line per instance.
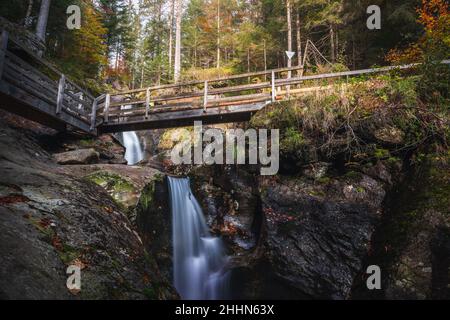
(60, 97)
(94, 113)
(147, 102)
(107, 103)
(205, 97)
(274, 94)
(3, 48)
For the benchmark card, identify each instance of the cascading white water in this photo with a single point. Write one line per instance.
(198, 258)
(133, 150)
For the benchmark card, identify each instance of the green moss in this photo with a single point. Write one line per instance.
(68, 254)
(147, 196)
(111, 180)
(353, 175)
(317, 193)
(87, 142)
(118, 188)
(324, 180)
(382, 153)
(150, 293)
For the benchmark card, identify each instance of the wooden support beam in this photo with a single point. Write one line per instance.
(94, 113)
(60, 97)
(274, 93)
(147, 103)
(3, 48)
(205, 97)
(107, 103)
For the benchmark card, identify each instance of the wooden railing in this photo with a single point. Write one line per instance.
(40, 79)
(139, 104)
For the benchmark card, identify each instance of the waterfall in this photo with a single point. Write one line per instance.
(133, 150)
(198, 258)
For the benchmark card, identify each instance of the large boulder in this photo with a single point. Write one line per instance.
(124, 184)
(80, 156)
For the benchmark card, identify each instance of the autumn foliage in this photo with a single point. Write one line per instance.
(434, 16)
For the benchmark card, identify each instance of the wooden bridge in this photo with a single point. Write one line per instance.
(33, 88)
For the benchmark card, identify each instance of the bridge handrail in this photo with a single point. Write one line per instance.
(197, 82)
(263, 85)
(52, 86)
(113, 108)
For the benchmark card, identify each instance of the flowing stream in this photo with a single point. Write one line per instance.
(199, 259)
(133, 153)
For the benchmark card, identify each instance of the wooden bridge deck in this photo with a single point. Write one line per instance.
(34, 89)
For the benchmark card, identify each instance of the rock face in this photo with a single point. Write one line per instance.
(49, 219)
(412, 246)
(290, 238)
(319, 234)
(154, 223)
(81, 156)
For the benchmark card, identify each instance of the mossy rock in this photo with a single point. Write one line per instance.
(120, 189)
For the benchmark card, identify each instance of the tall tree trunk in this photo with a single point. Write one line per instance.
(289, 26)
(353, 53)
(27, 22)
(289, 22)
(42, 19)
(172, 14)
(265, 59)
(332, 44)
(218, 34)
(177, 67)
(142, 71)
(299, 41)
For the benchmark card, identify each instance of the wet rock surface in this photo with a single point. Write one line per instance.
(50, 219)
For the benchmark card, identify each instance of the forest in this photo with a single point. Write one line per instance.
(143, 42)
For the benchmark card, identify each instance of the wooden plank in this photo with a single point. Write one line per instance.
(25, 82)
(42, 82)
(147, 103)
(234, 89)
(187, 118)
(107, 104)
(48, 65)
(3, 49)
(221, 102)
(94, 114)
(225, 102)
(60, 97)
(205, 97)
(17, 82)
(36, 109)
(25, 65)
